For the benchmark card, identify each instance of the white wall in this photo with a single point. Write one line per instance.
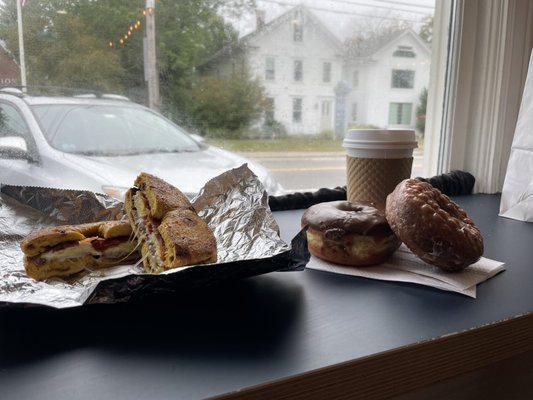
(375, 93)
(315, 49)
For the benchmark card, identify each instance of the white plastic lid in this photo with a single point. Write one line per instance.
(380, 143)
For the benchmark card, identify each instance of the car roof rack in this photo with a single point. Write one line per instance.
(22, 91)
(15, 90)
(102, 96)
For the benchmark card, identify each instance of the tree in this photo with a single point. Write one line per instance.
(68, 42)
(372, 32)
(421, 112)
(229, 102)
(60, 49)
(426, 30)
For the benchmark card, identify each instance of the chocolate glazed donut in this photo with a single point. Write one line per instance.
(349, 233)
(434, 228)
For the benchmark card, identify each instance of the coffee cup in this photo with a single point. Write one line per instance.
(376, 161)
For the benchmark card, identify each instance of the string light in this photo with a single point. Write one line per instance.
(131, 30)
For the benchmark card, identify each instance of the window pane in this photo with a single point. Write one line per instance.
(270, 69)
(297, 110)
(400, 113)
(298, 70)
(404, 79)
(326, 72)
(279, 77)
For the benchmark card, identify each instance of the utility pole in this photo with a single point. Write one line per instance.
(152, 75)
(21, 47)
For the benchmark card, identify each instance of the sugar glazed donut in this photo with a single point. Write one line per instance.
(434, 228)
(355, 234)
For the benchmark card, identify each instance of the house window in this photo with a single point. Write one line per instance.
(326, 71)
(298, 31)
(404, 51)
(400, 113)
(354, 112)
(403, 79)
(355, 79)
(270, 69)
(298, 70)
(297, 109)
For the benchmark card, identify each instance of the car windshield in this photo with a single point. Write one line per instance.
(110, 130)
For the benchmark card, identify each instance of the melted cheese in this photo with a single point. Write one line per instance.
(84, 248)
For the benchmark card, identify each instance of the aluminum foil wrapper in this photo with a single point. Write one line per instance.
(234, 204)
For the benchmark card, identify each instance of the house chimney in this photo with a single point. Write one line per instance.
(259, 19)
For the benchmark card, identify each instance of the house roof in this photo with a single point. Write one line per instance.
(246, 40)
(365, 49)
(290, 15)
(353, 49)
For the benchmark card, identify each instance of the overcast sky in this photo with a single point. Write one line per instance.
(340, 15)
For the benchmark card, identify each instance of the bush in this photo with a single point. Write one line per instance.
(229, 103)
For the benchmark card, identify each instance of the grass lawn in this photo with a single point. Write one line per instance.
(286, 144)
(309, 144)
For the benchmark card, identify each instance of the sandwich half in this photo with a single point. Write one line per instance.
(65, 250)
(171, 233)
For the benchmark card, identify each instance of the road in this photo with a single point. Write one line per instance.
(309, 171)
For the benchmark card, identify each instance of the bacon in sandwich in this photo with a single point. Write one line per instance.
(171, 233)
(65, 250)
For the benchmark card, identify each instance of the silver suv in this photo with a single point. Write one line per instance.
(100, 143)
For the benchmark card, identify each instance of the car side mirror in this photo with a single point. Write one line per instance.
(13, 147)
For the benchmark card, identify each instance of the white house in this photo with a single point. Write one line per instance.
(386, 82)
(315, 85)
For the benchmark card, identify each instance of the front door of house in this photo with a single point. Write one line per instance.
(326, 120)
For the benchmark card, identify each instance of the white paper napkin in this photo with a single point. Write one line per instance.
(404, 266)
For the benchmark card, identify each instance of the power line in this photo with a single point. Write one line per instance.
(405, 4)
(351, 13)
(355, 3)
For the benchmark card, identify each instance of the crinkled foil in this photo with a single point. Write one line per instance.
(234, 205)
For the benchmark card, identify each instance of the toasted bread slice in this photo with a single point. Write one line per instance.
(114, 229)
(66, 250)
(187, 239)
(171, 232)
(42, 240)
(162, 197)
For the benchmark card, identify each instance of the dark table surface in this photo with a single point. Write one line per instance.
(253, 331)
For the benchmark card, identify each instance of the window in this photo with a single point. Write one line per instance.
(298, 31)
(270, 69)
(355, 79)
(297, 109)
(404, 51)
(298, 71)
(400, 113)
(354, 112)
(11, 122)
(326, 72)
(195, 88)
(403, 79)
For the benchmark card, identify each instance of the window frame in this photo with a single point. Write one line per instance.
(297, 110)
(327, 69)
(475, 89)
(403, 109)
(298, 70)
(267, 70)
(402, 78)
